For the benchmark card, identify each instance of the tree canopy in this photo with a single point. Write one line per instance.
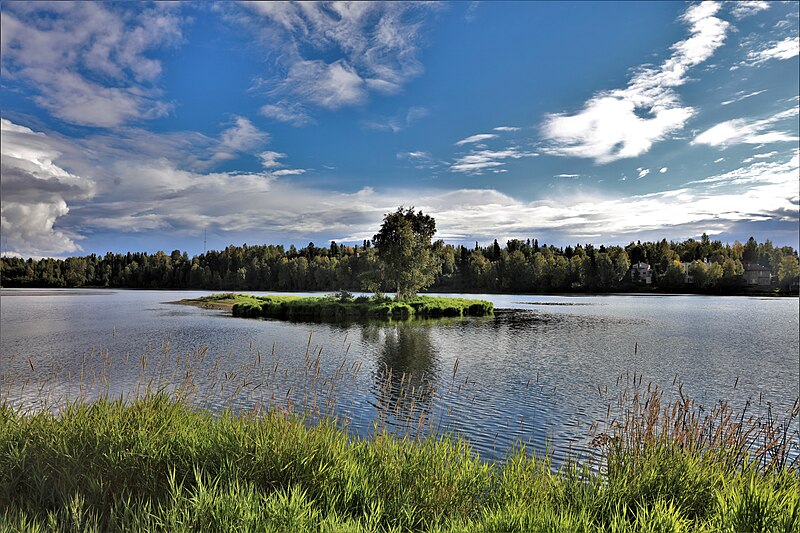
(406, 256)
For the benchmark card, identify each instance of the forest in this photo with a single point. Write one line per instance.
(517, 267)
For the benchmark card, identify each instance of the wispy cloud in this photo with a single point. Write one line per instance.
(285, 111)
(506, 128)
(567, 176)
(479, 160)
(243, 136)
(761, 174)
(625, 123)
(742, 96)
(476, 138)
(742, 9)
(337, 54)
(780, 50)
(748, 131)
(766, 155)
(642, 172)
(469, 14)
(418, 159)
(663, 170)
(289, 172)
(398, 122)
(88, 62)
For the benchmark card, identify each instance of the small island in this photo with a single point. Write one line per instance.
(342, 306)
(406, 263)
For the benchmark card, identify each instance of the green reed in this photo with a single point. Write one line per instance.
(261, 455)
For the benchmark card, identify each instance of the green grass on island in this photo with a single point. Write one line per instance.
(343, 306)
(159, 464)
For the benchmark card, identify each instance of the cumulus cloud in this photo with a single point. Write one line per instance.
(748, 131)
(337, 54)
(476, 138)
(88, 61)
(35, 193)
(479, 160)
(46, 206)
(624, 123)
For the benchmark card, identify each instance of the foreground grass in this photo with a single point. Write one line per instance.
(344, 306)
(158, 464)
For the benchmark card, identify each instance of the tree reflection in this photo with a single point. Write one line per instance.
(405, 375)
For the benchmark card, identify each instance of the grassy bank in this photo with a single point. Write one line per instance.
(343, 306)
(158, 464)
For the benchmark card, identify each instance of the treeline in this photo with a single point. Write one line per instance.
(519, 266)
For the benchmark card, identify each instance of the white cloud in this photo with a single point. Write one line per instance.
(642, 172)
(476, 138)
(337, 54)
(567, 176)
(781, 50)
(328, 85)
(742, 9)
(760, 156)
(506, 128)
(269, 159)
(139, 193)
(88, 61)
(284, 111)
(719, 160)
(739, 131)
(625, 123)
(414, 155)
(479, 160)
(35, 193)
(243, 136)
(663, 170)
(398, 122)
(289, 172)
(781, 174)
(418, 159)
(742, 96)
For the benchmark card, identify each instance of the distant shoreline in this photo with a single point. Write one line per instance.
(84, 291)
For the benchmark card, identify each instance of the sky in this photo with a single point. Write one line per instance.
(140, 126)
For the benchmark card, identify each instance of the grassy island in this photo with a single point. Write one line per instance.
(343, 306)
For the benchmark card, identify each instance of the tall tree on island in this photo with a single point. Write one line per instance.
(408, 263)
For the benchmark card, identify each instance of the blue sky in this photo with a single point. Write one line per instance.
(135, 126)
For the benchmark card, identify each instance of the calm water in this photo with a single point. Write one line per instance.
(541, 372)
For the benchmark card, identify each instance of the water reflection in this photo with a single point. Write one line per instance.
(533, 374)
(405, 373)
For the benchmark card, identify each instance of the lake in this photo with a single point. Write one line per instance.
(541, 372)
